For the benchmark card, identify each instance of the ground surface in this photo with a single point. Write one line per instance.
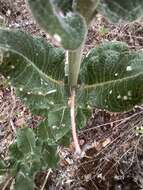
(113, 158)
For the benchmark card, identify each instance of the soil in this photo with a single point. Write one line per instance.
(112, 148)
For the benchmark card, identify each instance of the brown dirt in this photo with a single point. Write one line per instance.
(113, 150)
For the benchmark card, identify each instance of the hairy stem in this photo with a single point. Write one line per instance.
(73, 123)
(74, 62)
(72, 68)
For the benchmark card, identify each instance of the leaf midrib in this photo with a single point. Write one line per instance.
(111, 81)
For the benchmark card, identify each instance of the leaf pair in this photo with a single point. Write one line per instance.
(110, 77)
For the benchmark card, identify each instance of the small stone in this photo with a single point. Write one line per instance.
(8, 13)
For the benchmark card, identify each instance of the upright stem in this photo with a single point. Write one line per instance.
(74, 62)
(72, 67)
(73, 123)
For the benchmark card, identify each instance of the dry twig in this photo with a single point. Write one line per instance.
(46, 178)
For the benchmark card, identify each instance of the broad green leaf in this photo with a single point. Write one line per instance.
(69, 28)
(121, 10)
(66, 137)
(50, 156)
(23, 182)
(44, 132)
(23, 166)
(57, 128)
(14, 151)
(86, 8)
(34, 67)
(59, 121)
(26, 161)
(26, 140)
(53, 134)
(15, 166)
(59, 117)
(112, 77)
(32, 164)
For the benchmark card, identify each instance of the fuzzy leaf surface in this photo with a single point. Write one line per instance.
(86, 8)
(65, 5)
(23, 182)
(56, 129)
(26, 140)
(35, 68)
(120, 10)
(52, 134)
(50, 156)
(112, 77)
(70, 27)
(15, 153)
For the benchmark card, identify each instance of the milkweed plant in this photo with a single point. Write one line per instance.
(62, 85)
